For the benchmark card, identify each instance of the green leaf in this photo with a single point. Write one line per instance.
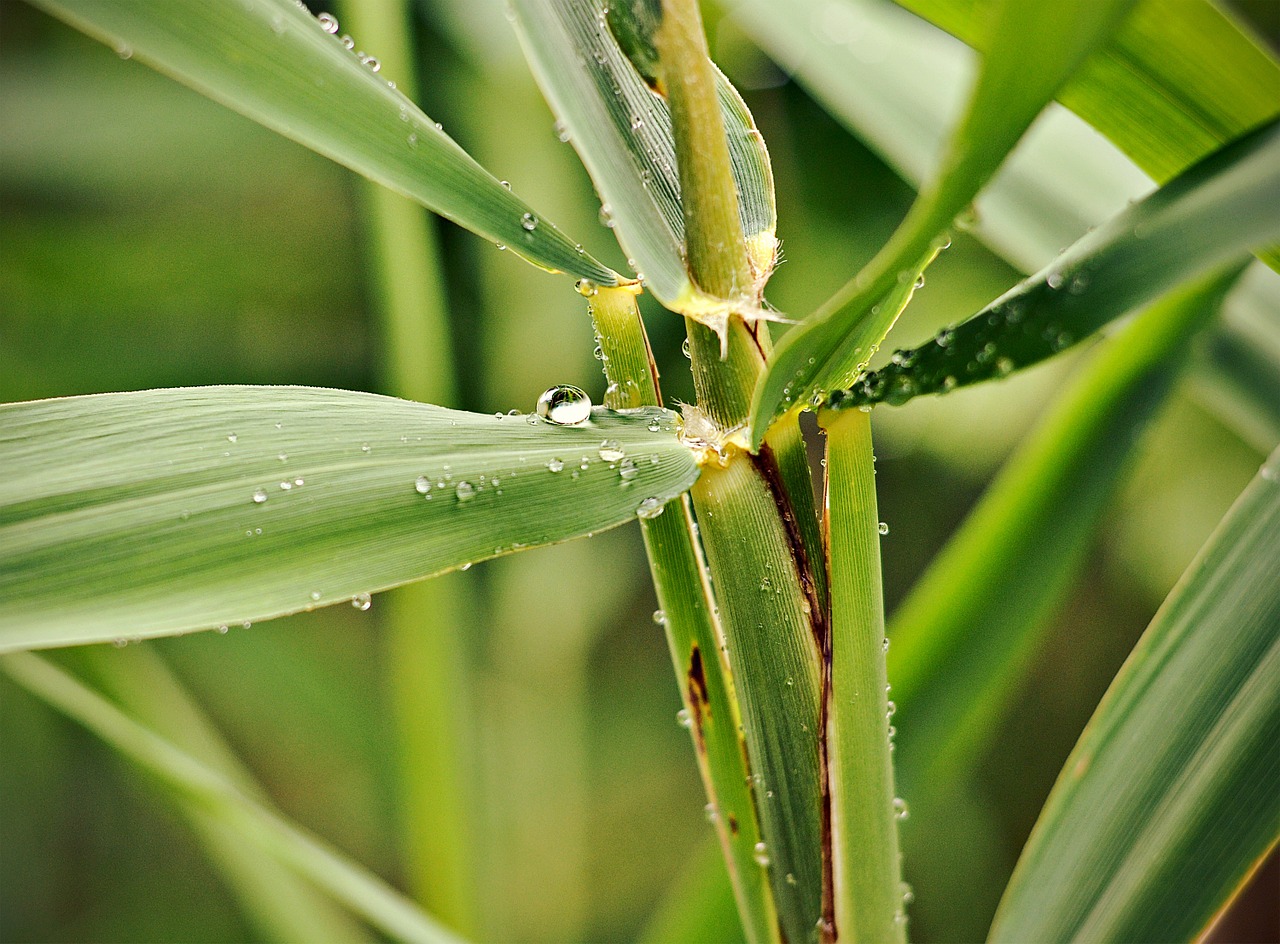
(1215, 211)
(223, 798)
(147, 514)
(1034, 49)
(622, 131)
(283, 906)
(1175, 82)
(273, 62)
(1169, 799)
(963, 635)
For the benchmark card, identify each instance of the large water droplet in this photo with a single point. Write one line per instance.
(362, 601)
(611, 451)
(529, 222)
(883, 527)
(422, 485)
(555, 465)
(564, 405)
(465, 491)
(660, 617)
(328, 22)
(259, 496)
(684, 719)
(627, 470)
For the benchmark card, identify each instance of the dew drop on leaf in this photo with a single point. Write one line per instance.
(564, 405)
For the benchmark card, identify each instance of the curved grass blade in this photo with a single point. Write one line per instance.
(1176, 81)
(1168, 800)
(273, 62)
(622, 131)
(1219, 209)
(252, 821)
(1034, 49)
(282, 905)
(153, 513)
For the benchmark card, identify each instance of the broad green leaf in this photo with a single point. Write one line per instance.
(963, 635)
(1033, 50)
(1219, 209)
(253, 822)
(273, 62)
(869, 903)
(622, 131)
(146, 514)
(1169, 799)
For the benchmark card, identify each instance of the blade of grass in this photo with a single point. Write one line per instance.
(964, 633)
(622, 131)
(868, 867)
(361, 891)
(429, 668)
(1213, 212)
(107, 492)
(282, 905)
(273, 62)
(1033, 51)
(1168, 801)
(694, 638)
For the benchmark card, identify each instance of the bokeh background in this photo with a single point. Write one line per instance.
(149, 237)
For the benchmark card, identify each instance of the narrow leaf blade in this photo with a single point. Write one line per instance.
(1217, 210)
(152, 513)
(273, 62)
(622, 131)
(1034, 49)
(1169, 798)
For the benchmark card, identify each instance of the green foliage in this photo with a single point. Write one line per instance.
(131, 515)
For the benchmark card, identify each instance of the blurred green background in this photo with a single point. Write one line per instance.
(149, 237)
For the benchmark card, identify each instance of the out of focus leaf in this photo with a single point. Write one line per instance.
(1168, 801)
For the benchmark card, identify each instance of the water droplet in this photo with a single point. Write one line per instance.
(684, 349)
(362, 601)
(124, 50)
(684, 719)
(286, 485)
(222, 630)
(711, 813)
(562, 132)
(649, 508)
(883, 527)
(1054, 281)
(761, 854)
(348, 41)
(328, 22)
(919, 281)
(660, 617)
(653, 427)
(466, 566)
(908, 893)
(529, 222)
(885, 644)
(232, 437)
(555, 465)
(422, 485)
(315, 596)
(373, 64)
(564, 405)
(586, 288)
(791, 879)
(900, 810)
(413, 140)
(259, 496)
(627, 470)
(120, 643)
(636, 122)
(606, 215)
(465, 491)
(611, 451)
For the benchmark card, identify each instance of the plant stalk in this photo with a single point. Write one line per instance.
(867, 865)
